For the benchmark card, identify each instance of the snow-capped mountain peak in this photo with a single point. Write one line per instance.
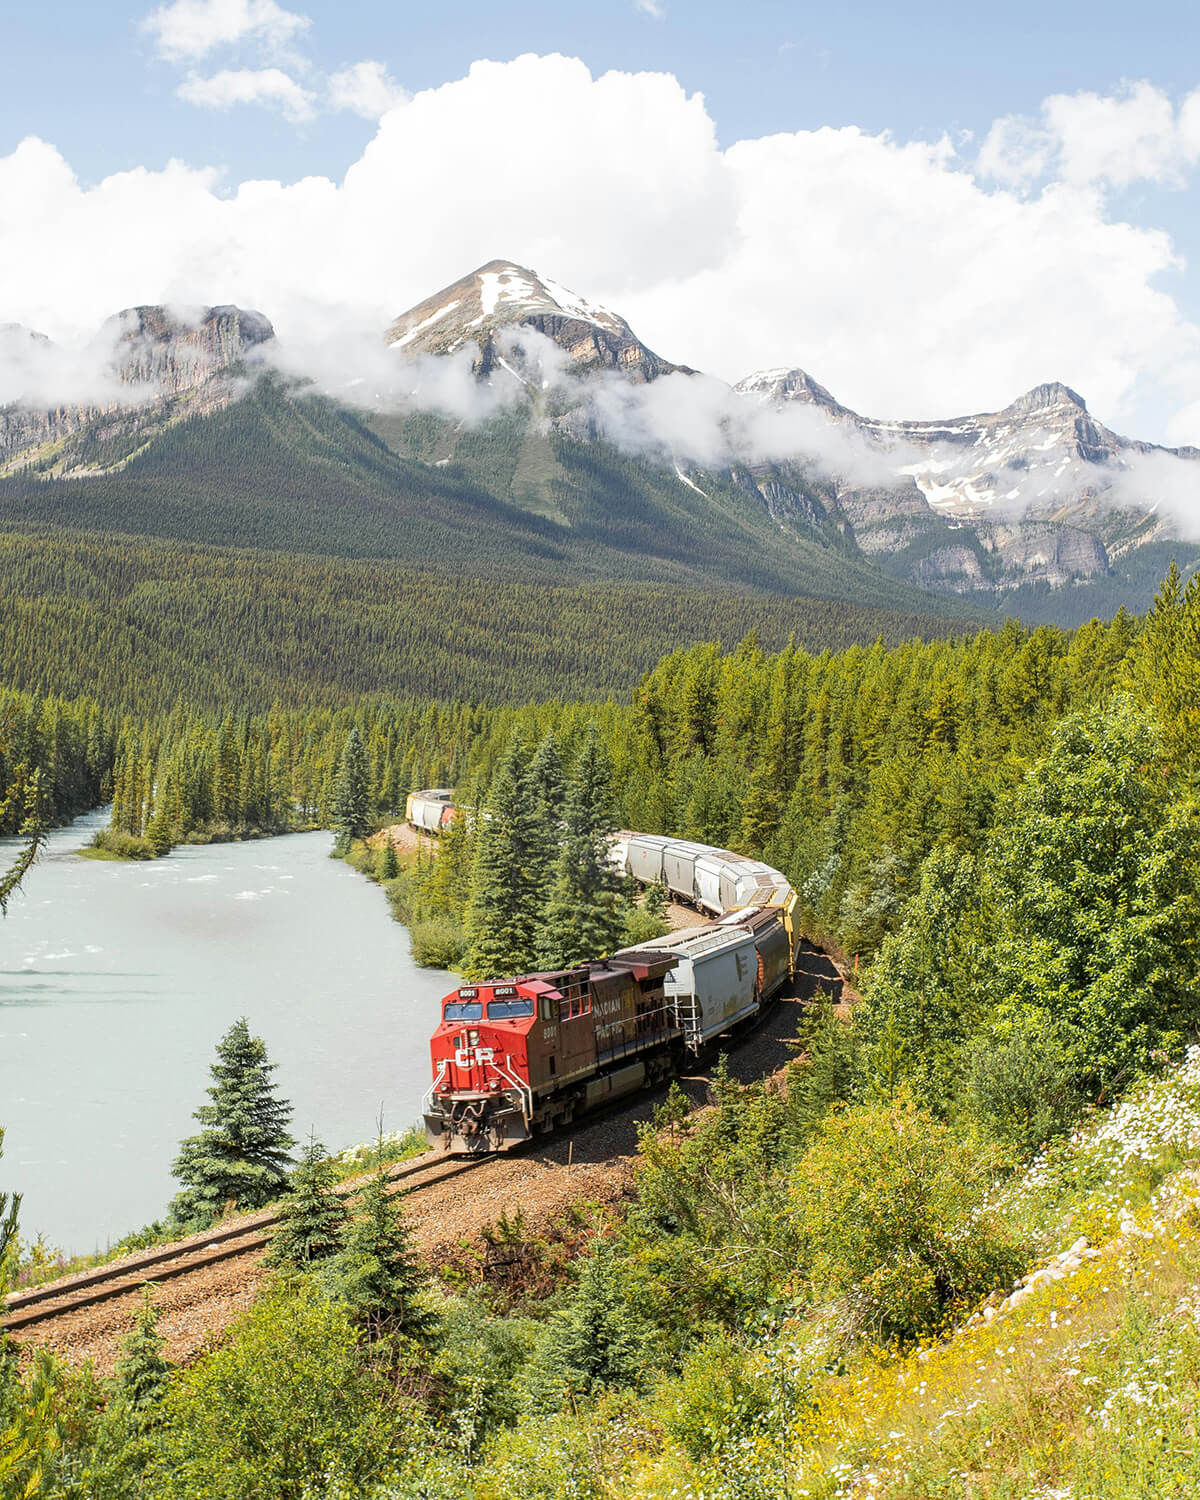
(502, 295)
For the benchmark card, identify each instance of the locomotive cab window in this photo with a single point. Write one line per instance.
(509, 1010)
(464, 1010)
(546, 1008)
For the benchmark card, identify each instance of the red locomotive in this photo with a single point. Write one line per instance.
(519, 1056)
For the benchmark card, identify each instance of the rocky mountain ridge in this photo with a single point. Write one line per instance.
(1039, 493)
(147, 368)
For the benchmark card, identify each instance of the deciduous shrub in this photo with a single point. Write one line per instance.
(889, 1206)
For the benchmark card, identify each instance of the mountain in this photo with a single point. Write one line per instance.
(188, 434)
(147, 368)
(500, 298)
(1039, 493)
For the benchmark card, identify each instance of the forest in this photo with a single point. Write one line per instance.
(1000, 835)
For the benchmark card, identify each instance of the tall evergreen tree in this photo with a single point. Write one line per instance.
(312, 1219)
(376, 1274)
(351, 792)
(545, 787)
(584, 918)
(502, 915)
(241, 1156)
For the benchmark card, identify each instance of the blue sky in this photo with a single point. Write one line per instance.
(912, 94)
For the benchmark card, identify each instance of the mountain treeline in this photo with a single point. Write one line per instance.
(56, 758)
(143, 624)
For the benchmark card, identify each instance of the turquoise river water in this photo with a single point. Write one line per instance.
(117, 980)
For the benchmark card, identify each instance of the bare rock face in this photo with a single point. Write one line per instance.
(501, 296)
(147, 368)
(1031, 483)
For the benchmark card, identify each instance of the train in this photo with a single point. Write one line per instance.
(518, 1056)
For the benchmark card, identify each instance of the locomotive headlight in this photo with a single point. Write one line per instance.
(472, 1039)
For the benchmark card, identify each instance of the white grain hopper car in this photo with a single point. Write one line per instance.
(723, 972)
(715, 880)
(426, 809)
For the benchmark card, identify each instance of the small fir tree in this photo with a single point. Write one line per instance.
(376, 1274)
(389, 865)
(351, 793)
(142, 1372)
(312, 1220)
(241, 1157)
(584, 918)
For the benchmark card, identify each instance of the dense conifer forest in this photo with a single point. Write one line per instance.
(1000, 833)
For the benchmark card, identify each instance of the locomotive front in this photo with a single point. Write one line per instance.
(481, 1100)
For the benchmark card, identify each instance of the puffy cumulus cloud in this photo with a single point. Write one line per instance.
(896, 272)
(365, 88)
(270, 87)
(1111, 140)
(188, 29)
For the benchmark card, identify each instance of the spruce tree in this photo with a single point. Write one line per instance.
(351, 793)
(312, 1219)
(502, 916)
(389, 865)
(241, 1156)
(584, 917)
(376, 1273)
(545, 788)
(142, 1372)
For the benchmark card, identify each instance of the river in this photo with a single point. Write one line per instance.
(117, 980)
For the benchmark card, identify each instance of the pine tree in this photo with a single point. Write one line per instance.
(597, 1340)
(501, 919)
(376, 1273)
(312, 1219)
(142, 1372)
(351, 793)
(389, 865)
(242, 1155)
(584, 919)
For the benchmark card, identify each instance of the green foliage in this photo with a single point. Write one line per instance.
(503, 914)
(723, 1395)
(583, 918)
(889, 1210)
(287, 1405)
(241, 1157)
(351, 792)
(312, 1217)
(375, 1274)
(1020, 1088)
(142, 1372)
(599, 1339)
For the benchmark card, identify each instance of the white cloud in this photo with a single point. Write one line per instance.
(1086, 138)
(189, 29)
(650, 8)
(367, 89)
(907, 283)
(270, 87)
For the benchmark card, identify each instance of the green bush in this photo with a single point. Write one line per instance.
(890, 1210)
(289, 1402)
(724, 1393)
(1020, 1089)
(438, 943)
(123, 845)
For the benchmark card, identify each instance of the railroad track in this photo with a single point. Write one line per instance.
(247, 1237)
